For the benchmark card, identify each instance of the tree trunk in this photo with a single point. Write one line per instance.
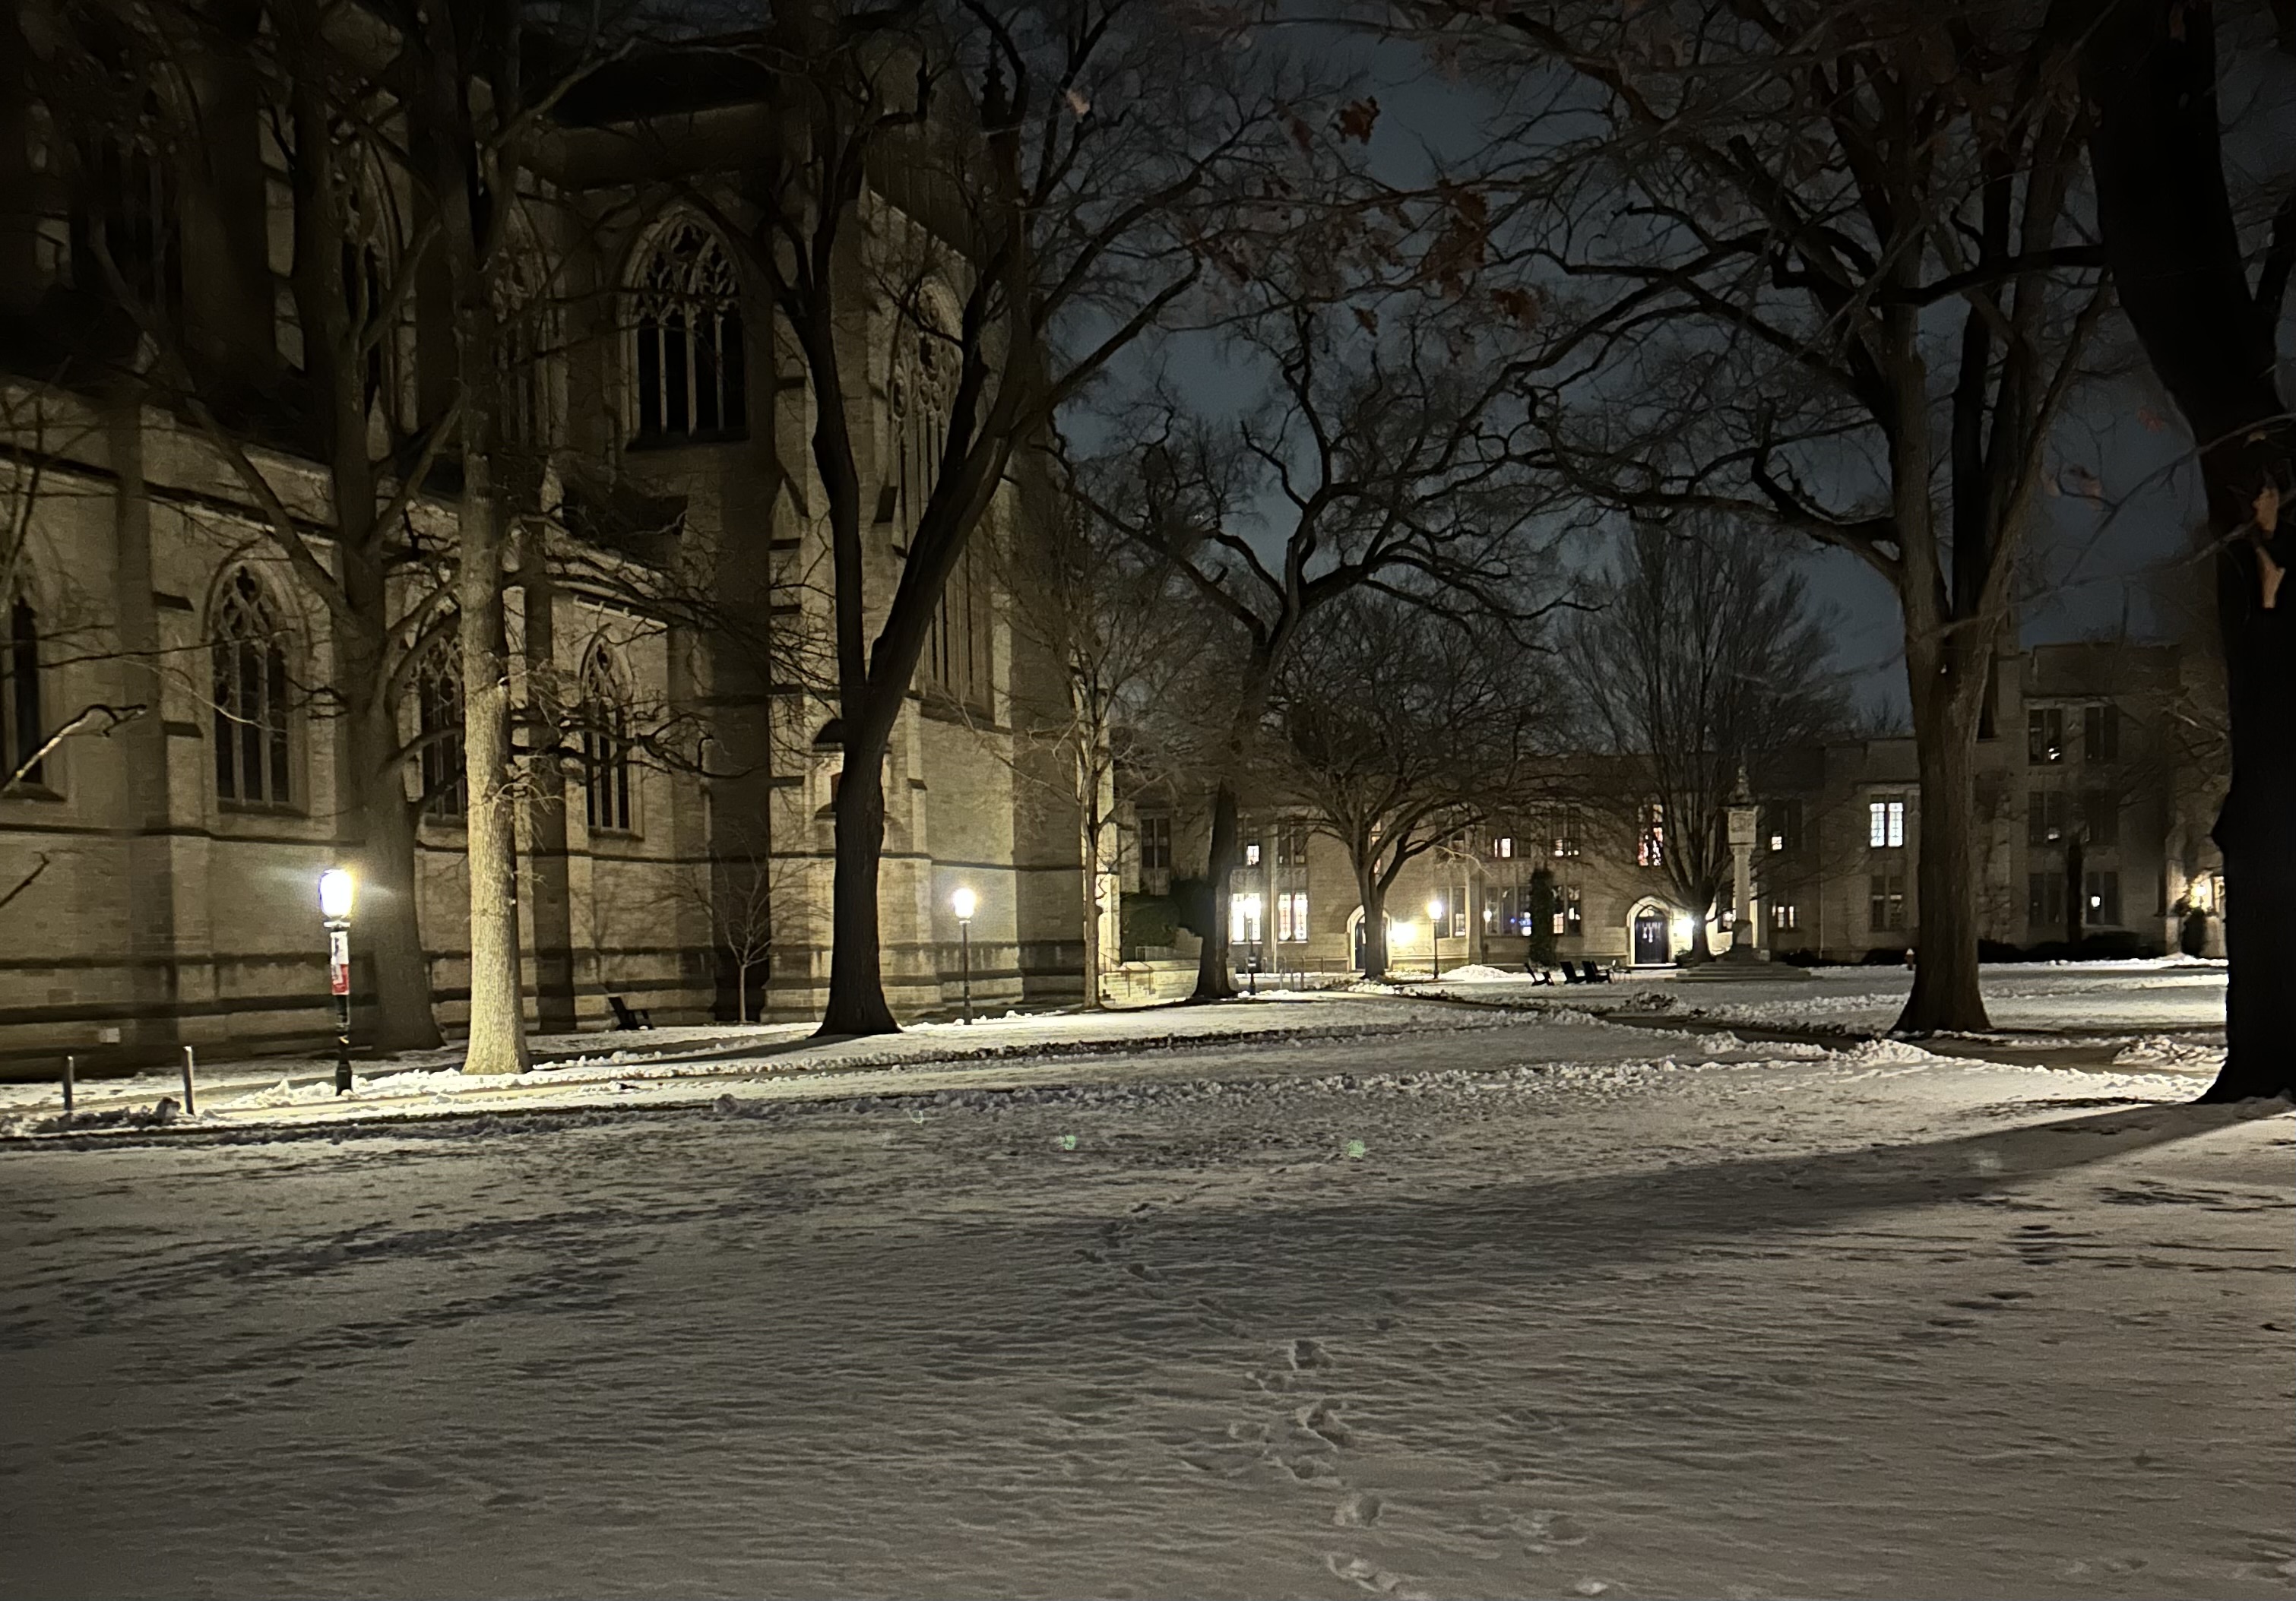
(1214, 981)
(1373, 894)
(497, 1030)
(2075, 895)
(1091, 852)
(389, 907)
(1088, 770)
(1945, 996)
(550, 899)
(2149, 68)
(856, 985)
(1702, 949)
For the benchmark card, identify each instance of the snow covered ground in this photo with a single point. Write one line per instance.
(1530, 1307)
(2135, 997)
(2143, 1015)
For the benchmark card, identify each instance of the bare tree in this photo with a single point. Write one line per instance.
(1703, 658)
(1063, 170)
(1401, 731)
(1831, 277)
(2212, 328)
(365, 564)
(1401, 462)
(734, 894)
(1125, 636)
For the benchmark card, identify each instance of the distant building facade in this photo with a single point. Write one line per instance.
(2089, 785)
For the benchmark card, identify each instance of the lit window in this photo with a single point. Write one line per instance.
(1784, 820)
(1650, 848)
(1566, 834)
(1252, 855)
(1785, 915)
(1291, 916)
(1885, 823)
(1243, 920)
(2044, 735)
(1502, 848)
(2045, 816)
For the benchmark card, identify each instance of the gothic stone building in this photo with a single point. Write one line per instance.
(165, 872)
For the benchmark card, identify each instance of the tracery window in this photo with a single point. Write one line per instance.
(919, 391)
(252, 701)
(690, 373)
(439, 718)
(606, 744)
(127, 212)
(21, 723)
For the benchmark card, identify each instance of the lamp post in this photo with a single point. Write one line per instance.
(336, 892)
(1435, 937)
(964, 903)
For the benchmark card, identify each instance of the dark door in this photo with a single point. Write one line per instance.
(1651, 947)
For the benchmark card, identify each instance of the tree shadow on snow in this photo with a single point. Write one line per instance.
(1563, 1224)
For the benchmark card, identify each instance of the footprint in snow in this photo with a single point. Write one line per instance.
(1370, 1575)
(1309, 1353)
(1321, 1420)
(1359, 1509)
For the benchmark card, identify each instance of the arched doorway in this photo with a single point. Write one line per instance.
(1653, 945)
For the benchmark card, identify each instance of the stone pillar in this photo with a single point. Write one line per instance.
(1744, 958)
(1742, 822)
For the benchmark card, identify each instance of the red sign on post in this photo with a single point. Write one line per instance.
(339, 961)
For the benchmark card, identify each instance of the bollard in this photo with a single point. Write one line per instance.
(71, 1065)
(190, 1107)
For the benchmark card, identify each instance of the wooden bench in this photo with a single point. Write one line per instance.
(629, 1016)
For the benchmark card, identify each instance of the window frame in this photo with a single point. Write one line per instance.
(607, 746)
(685, 275)
(23, 713)
(247, 628)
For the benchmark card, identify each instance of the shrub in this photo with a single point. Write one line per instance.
(1149, 920)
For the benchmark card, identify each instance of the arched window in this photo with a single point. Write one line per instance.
(438, 719)
(606, 744)
(529, 334)
(128, 213)
(692, 377)
(21, 724)
(250, 698)
(371, 265)
(919, 391)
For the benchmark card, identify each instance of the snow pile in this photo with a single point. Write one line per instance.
(1476, 972)
(2175, 1055)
